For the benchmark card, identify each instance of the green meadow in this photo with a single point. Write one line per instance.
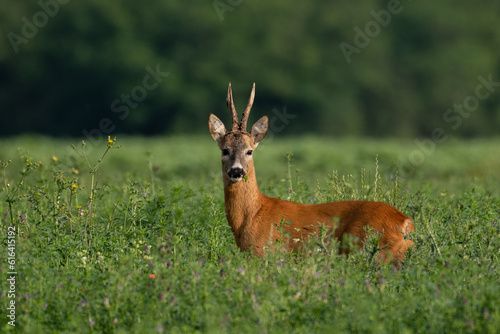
(130, 236)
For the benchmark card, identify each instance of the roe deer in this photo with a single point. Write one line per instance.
(253, 215)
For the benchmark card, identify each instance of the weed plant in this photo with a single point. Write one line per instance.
(145, 251)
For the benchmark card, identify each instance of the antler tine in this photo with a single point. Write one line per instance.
(230, 104)
(244, 119)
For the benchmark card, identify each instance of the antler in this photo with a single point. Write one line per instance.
(230, 103)
(244, 119)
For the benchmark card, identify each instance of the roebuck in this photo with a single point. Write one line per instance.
(253, 215)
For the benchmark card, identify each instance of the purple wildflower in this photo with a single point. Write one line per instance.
(241, 270)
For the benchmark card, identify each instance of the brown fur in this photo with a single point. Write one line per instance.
(253, 215)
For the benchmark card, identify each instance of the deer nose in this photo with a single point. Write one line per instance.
(236, 173)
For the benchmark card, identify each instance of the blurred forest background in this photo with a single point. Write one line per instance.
(341, 68)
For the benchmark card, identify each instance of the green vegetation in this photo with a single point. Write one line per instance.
(131, 236)
(151, 251)
(64, 75)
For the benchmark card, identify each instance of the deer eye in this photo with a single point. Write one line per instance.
(249, 152)
(225, 151)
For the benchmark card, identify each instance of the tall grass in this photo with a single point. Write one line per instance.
(143, 246)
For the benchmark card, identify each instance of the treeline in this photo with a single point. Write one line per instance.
(363, 68)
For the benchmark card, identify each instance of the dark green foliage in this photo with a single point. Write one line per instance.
(70, 76)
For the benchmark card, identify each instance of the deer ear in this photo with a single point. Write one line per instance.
(259, 129)
(216, 127)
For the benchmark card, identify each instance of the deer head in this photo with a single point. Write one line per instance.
(237, 146)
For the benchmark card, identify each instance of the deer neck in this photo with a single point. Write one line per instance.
(242, 202)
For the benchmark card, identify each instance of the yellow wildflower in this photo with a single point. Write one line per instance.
(111, 142)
